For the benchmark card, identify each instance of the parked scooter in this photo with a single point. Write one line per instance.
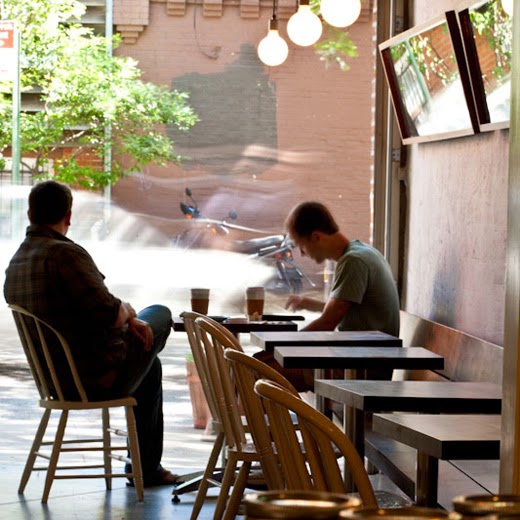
(205, 229)
(273, 249)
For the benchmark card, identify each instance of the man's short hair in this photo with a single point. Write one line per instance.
(307, 217)
(49, 202)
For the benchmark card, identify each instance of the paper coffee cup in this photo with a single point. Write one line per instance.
(255, 297)
(200, 300)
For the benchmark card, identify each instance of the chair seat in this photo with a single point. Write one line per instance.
(56, 404)
(41, 344)
(247, 451)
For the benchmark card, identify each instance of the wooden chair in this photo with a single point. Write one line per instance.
(240, 451)
(318, 468)
(212, 474)
(247, 370)
(42, 345)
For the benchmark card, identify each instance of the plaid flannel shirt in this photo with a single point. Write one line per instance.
(58, 281)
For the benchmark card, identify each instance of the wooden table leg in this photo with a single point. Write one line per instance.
(354, 428)
(319, 373)
(427, 479)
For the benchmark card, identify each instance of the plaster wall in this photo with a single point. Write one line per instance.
(456, 226)
(268, 137)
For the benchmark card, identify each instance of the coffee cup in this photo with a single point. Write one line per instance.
(200, 300)
(255, 297)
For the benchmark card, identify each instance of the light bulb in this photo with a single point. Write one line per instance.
(340, 13)
(304, 27)
(273, 50)
(507, 6)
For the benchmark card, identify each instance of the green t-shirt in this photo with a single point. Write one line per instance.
(363, 277)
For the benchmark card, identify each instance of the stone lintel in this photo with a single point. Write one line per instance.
(130, 33)
(249, 8)
(176, 7)
(212, 8)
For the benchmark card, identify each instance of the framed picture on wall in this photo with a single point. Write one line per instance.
(429, 82)
(487, 33)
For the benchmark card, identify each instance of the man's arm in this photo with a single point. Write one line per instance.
(335, 309)
(137, 327)
(77, 271)
(296, 302)
(126, 312)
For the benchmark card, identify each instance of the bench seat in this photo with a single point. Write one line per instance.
(435, 437)
(398, 462)
(466, 358)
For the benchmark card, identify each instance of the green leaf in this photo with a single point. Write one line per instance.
(84, 91)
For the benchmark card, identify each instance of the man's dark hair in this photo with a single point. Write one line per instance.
(49, 202)
(307, 217)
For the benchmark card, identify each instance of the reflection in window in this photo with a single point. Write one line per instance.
(429, 82)
(493, 31)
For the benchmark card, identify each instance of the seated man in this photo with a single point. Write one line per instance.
(115, 349)
(364, 295)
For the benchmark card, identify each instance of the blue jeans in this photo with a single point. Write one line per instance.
(142, 378)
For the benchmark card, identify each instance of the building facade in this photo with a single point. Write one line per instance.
(268, 137)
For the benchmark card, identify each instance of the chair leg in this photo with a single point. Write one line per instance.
(238, 492)
(227, 481)
(208, 472)
(105, 415)
(55, 454)
(38, 438)
(133, 445)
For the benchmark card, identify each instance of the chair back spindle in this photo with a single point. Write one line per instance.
(246, 371)
(61, 390)
(49, 355)
(317, 467)
(214, 342)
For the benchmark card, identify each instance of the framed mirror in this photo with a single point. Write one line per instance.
(427, 75)
(487, 32)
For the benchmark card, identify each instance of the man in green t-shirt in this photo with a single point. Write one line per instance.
(364, 295)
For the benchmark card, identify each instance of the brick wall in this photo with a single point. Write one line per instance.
(268, 137)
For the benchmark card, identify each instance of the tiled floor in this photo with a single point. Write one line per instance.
(184, 449)
(184, 452)
(142, 274)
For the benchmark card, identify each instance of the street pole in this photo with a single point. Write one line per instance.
(15, 146)
(109, 20)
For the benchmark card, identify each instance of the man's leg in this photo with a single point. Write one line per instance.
(149, 421)
(139, 362)
(145, 374)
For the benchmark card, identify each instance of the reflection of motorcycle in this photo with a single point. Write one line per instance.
(203, 231)
(275, 250)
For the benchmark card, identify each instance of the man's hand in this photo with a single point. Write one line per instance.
(143, 331)
(126, 312)
(296, 302)
(334, 311)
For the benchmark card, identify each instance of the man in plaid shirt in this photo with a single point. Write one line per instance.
(115, 349)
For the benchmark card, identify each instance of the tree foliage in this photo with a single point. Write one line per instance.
(492, 22)
(335, 47)
(90, 99)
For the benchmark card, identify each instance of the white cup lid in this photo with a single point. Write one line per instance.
(255, 292)
(200, 293)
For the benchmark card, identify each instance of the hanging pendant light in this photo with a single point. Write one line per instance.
(507, 6)
(340, 13)
(304, 27)
(273, 50)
